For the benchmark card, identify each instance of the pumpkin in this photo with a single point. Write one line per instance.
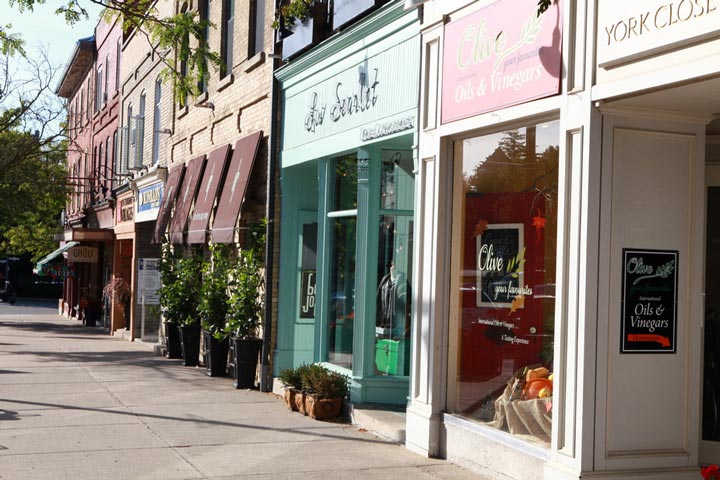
(533, 387)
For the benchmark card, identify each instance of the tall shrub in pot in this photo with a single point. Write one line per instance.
(171, 301)
(187, 288)
(245, 308)
(213, 308)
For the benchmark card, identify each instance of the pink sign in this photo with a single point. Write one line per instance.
(501, 55)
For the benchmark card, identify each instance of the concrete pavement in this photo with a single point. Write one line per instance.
(78, 404)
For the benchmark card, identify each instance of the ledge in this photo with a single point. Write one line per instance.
(253, 62)
(225, 82)
(182, 111)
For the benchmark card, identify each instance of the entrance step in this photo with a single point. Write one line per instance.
(386, 422)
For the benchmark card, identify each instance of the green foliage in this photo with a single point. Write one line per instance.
(214, 302)
(318, 380)
(290, 377)
(33, 189)
(246, 285)
(180, 292)
(291, 11)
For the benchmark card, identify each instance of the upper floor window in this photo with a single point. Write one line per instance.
(106, 88)
(226, 33)
(140, 132)
(257, 27)
(99, 88)
(204, 11)
(157, 124)
(117, 65)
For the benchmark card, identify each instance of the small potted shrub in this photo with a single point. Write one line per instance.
(213, 309)
(245, 308)
(324, 390)
(292, 381)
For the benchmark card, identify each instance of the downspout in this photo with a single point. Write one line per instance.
(265, 377)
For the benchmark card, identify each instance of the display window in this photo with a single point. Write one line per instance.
(503, 286)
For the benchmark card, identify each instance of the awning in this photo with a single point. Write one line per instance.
(186, 195)
(233, 192)
(171, 189)
(38, 270)
(200, 218)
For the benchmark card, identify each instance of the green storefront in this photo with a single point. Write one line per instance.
(350, 113)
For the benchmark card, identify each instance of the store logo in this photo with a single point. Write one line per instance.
(346, 103)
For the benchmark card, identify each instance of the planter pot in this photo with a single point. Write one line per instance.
(216, 354)
(190, 344)
(244, 360)
(290, 394)
(300, 397)
(172, 340)
(323, 408)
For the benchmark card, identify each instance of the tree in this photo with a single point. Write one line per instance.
(184, 32)
(33, 193)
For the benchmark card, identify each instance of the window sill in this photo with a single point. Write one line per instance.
(225, 82)
(253, 62)
(202, 98)
(182, 111)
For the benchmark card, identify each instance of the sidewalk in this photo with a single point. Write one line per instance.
(78, 404)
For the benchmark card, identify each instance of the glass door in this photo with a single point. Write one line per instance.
(710, 427)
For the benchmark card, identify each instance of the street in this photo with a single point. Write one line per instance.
(78, 404)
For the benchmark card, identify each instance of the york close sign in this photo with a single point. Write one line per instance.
(629, 31)
(501, 55)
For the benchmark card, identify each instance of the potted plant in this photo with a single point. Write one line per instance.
(170, 302)
(245, 308)
(187, 288)
(324, 392)
(117, 291)
(90, 307)
(213, 309)
(291, 379)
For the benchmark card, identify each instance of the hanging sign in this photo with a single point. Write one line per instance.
(649, 301)
(83, 254)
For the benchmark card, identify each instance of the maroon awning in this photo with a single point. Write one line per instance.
(186, 195)
(197, 229)
(234, 188)
(170, 192)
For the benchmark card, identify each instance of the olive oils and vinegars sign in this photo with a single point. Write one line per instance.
(649, 301)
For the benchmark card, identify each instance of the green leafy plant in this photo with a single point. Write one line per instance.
(291, 11)
(180, 292)
(318, 380)
(290, 377)
(246, 286)
(214, 303)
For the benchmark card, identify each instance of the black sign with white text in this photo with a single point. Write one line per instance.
(649, 301)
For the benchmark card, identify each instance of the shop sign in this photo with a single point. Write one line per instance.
(649, 301)
(307, 293)
(628, 31)
(501, 55)
(83, 254)
(365, 99)
(500, 260)
(126, 209)
(149, 198)
(149, 280)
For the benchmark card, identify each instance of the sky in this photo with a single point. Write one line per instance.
(43, 27)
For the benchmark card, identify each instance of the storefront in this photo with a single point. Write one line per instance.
(563, 260)
(348, 195)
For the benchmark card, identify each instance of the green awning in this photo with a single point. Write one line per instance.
(39, 265)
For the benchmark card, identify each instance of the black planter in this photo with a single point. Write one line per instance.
(216, 355)
(190, 344)
(244, 360)
(172, 340)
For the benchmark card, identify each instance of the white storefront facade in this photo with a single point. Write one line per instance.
(566, 295)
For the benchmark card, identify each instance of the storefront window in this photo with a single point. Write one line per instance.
(506, 196)
(342, 287)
